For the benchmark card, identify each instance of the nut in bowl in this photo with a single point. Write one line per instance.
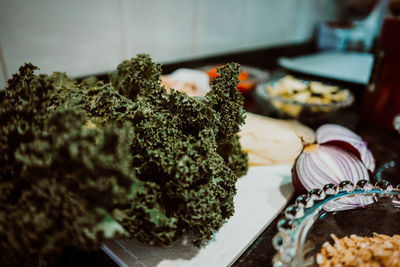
(341, 226)
(304, 100)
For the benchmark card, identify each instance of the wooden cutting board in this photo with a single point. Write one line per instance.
(271, 141)
(261, 195)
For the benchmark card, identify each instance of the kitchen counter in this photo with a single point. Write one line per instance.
(384, 145)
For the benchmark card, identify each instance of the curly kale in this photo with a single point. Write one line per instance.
(185, 150)
(163, 165)
(59, 179)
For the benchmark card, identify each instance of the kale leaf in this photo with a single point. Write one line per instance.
(59, 179)
(86, 160)
(185, 150)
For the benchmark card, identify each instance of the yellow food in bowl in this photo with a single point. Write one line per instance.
(293, 95)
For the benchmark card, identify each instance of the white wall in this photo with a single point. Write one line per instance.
(93, 36)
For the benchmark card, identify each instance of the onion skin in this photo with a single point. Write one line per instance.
(337, 135)
(321, 164)
(298, 186)
(346, 146)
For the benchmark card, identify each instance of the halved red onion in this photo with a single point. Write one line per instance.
(320, 164)
(340, 136)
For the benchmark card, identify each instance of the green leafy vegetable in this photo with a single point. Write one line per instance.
(161, 165)
(59, 180)
(185, 150)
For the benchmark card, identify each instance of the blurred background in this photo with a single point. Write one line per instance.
(93, 36)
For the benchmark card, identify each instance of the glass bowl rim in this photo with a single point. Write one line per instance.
(292, 227)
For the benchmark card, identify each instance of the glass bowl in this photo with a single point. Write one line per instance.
(285, 108)
(341, 210)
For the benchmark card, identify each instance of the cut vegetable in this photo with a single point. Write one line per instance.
(340, 136)
(321, 164)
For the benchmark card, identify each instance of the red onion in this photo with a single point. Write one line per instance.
(321, 164)
(340, 136)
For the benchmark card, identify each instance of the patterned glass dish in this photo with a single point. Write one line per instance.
(361, 209)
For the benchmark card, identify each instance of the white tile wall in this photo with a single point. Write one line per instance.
(74, 36)
(218, 27)
(161, 28)
(309, 13)
(93, 36)
(268, 22)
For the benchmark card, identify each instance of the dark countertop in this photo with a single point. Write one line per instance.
(384, 144)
